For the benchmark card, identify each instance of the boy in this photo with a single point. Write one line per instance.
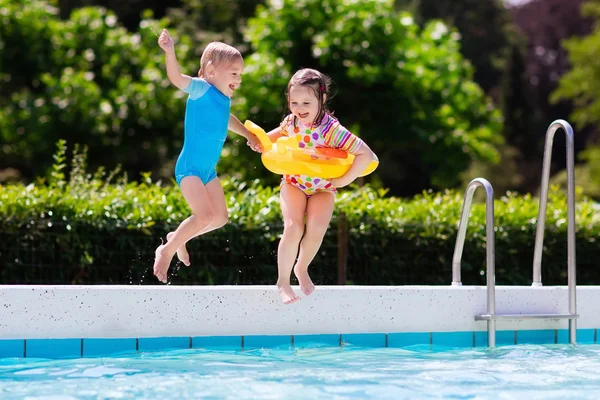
(207, 119)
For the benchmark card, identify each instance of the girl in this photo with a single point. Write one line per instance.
(312, 197)
(207, 119)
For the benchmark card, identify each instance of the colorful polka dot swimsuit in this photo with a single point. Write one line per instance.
(329, 133)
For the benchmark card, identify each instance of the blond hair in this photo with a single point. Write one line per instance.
(218, 54)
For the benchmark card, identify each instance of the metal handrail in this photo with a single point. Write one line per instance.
(462, 227)
(541, 222)
(490, 248)
(491, 315)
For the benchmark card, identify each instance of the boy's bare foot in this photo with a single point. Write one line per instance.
(182, 253)
(161, 263)
(306, 284)
(287, 294)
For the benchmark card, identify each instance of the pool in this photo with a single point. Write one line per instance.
(327, 372)
(111, 342)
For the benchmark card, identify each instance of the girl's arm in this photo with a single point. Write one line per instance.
(275, 134)
(362, 158)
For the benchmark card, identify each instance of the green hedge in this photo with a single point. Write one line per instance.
(100, 228)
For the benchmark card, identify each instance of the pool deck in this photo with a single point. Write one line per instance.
(29, 312)
(90, 321)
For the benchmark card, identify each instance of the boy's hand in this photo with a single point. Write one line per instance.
(165, 41)
(254, 143)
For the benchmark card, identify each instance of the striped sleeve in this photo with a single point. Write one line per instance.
(286, 125)
(338, 137)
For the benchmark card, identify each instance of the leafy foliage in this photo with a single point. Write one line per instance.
(85, 80)
(407, 91)
(101, 228)
(579, 84)
(484, 28)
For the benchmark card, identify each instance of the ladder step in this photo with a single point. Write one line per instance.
(488, 317)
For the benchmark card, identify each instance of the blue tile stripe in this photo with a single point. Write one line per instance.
(536, 336)
(405, 339)
(365, 339)
(267, 341)
(12, 348)
(584, 336)
(53, 348)
(452, 339)
(93, 347)
(211, 342)
(163, 343)
(316, 340)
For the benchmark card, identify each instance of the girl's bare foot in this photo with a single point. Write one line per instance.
(306, 284)
(182, 253)
(287, 294)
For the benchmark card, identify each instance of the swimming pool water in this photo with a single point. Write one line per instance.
(511, 372)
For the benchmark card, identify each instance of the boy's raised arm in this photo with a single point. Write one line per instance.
(165, 41)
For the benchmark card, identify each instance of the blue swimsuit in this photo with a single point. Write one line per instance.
(206, 120)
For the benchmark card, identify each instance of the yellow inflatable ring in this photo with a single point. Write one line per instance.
(286, 157)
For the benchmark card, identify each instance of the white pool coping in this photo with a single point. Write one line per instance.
(46, 311)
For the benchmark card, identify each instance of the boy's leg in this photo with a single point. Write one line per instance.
(318, 215)
(217, 201)
(196, 195)
(293, 207)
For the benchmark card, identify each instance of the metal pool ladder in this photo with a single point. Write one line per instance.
(491, 317)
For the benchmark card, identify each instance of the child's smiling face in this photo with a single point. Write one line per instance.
(227, 78)
(304, 104)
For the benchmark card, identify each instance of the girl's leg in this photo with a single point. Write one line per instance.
(293, 207)
(196, 195)
(217, 201)
(318, 214)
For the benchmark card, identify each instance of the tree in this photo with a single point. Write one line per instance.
(587, 174)
(206, 20)
(520, 121)
(490, 35)
(484, 30)
(407, 91)
(581, 84)
(522, 142)
(89, 81)
(202, 21)
(545, 25)
(129, 12)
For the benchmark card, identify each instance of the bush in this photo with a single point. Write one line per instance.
(99, 228)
